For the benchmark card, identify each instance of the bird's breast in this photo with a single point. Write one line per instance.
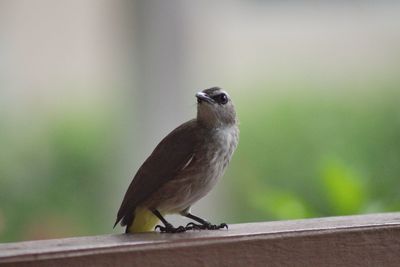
(215, 155)
(201, 172)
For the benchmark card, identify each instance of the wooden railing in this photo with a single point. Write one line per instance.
(363, 240)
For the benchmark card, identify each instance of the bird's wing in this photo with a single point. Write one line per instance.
(167, 159)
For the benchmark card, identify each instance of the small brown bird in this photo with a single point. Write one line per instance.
(183, 168)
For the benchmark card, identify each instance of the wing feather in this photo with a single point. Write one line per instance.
(169, 157)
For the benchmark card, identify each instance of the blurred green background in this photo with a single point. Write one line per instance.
(88, 88)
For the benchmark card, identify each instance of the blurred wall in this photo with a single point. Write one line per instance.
(88, 88)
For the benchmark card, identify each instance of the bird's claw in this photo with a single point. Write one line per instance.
(193, 226)
(170, 229)
(208, 226)
(223, 225)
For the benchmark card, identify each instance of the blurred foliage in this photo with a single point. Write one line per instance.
(303, 153)
(317, 154)
(54, 177)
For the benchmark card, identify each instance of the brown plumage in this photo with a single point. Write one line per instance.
(183, 167)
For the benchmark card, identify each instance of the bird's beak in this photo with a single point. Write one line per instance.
(204, 97)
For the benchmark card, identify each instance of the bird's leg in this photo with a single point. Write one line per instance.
(167, 228)
(203, 224)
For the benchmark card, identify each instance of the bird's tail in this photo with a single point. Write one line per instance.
(144, 221)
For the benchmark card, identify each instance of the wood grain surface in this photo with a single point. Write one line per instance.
(361, 240)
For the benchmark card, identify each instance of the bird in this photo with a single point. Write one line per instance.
(183, 168)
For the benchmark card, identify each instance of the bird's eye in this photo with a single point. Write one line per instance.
(221, 99)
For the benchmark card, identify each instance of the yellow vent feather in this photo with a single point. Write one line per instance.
(144, 221)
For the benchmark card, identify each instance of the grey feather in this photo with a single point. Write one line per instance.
(160, 167)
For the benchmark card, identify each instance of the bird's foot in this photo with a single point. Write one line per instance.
(169, 228)
(206, 226)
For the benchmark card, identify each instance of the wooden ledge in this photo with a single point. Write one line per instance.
(361, 240)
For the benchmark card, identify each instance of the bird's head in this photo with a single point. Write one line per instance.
(215, 108)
